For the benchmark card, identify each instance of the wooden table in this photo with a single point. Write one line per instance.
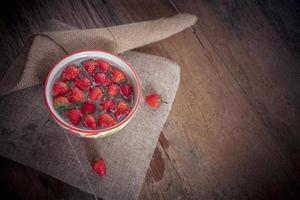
(233, 132)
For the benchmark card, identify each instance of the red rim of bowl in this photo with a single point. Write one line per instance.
(98, 131)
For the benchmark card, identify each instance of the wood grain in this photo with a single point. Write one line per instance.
(20, 182)
(233, 130)
(261, 75)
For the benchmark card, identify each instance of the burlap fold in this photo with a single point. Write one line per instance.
(48, 47)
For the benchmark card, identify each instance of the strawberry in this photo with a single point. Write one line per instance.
(88, 108)
(106, 120)
(95, 94)
(126, 91)
(59, 88)
(99, 167)
(61, 103)
(83, 83)
(90, 122)
(107, 105)
(113, 89)
(103, 65)
(76, 95)
(90, 66)
(117, 75)
(102, 79)
(122, 109)
(154, 100)
(70, 73)
(74, 116)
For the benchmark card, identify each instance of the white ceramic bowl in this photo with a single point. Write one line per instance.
(77, 58)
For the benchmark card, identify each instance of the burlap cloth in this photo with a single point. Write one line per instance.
(48, 47)
(30, 136)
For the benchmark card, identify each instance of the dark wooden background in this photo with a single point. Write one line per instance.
(233, 132)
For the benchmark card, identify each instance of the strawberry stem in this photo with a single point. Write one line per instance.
(61, 108)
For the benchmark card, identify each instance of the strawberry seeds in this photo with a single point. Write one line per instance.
(93, 95)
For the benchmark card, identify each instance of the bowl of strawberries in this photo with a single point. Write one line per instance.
(92, 94)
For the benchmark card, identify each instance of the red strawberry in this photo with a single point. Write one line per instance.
(112, 90)
(59, 88)
(153, 100)
(90, 122)
(61, 103)
(105, 120)
(90, 66)
(76, 95)
(122, 109)
(95, 94)
(83, 83)
(74, 116)
(108, 105)
(70, 73)
(103, 65)
(117, 75)
(88, 108)
(102, 79)
(126, 91)
(99, 167)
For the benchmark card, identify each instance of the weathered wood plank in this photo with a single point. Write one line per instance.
(260, 75)
(284, 17)
(162, 180)
(235, 100)
(20, 182)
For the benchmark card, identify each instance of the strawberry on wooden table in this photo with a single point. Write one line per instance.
(95, 94)
(76, 95)
(99, 167)
(74, 116)
(117, 75)
(90, 122)
(103, 65)
(83, 83)
(59, 88)
(88, 108)
(105, 120)
(70, 73)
